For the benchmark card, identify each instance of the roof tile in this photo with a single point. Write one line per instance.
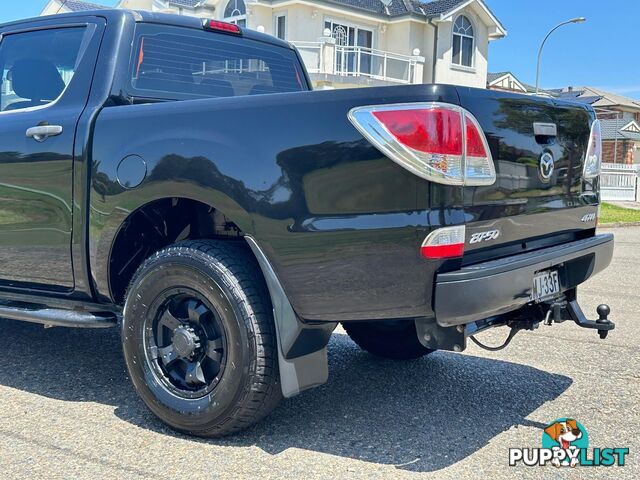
(186, 3)
(611, 130)
(600, 98)
(396, 8)
(81, 6)
(402, 7)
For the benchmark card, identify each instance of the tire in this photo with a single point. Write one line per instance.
(396, 340)
(199, 339)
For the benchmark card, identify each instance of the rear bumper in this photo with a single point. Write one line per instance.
(499, 286)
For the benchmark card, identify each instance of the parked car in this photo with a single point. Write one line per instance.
(179, 178)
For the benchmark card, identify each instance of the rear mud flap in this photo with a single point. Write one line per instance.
(302, 348)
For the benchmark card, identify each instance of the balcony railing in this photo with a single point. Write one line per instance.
(311, 53)
(353, 61)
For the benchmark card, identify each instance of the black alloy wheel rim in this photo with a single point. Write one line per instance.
(185, 344)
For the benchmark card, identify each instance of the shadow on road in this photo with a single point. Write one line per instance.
(422, 415)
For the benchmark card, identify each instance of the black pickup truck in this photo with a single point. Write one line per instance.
(179, 178)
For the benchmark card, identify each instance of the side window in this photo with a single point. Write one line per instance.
(37, 66)
(179, 63)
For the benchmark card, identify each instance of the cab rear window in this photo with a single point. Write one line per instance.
(180, 63)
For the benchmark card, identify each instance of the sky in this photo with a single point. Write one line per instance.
(17, 9)
(603, 52)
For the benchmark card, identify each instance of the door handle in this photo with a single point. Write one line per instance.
(42, 132)
(545, 133)
(545, 129)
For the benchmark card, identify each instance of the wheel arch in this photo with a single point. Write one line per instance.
(130, 235)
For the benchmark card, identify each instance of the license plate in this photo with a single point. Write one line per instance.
(545, 284)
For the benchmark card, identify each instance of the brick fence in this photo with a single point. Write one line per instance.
(624, 153)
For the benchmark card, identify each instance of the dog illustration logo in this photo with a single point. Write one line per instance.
(565, 442)
(566, 434)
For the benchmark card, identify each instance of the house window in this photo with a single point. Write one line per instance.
(463, 42)
(236, 12)
(353, 48)
(281, 27)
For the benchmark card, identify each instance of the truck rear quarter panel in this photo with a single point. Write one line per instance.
(340, 223)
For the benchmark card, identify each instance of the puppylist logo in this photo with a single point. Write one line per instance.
(565, 443)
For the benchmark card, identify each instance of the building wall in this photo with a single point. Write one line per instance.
(624, 117)
(397, 38)
(306, 23)
(623, 152)
(257, 15)
(159, 6)
(52, 8)
(421, 37)
(446, 71)
(508, 84)
(136, 4)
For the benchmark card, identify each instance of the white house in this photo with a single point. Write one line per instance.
(507, 81)
(347, 43)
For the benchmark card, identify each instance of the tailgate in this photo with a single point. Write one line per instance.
(538, 147)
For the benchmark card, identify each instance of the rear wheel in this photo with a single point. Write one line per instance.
(393, 339)
(199, 338)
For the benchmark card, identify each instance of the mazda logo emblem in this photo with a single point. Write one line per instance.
(546, 166)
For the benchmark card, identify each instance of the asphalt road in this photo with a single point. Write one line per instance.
(67, 409)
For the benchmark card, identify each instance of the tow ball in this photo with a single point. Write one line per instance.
(603, 325)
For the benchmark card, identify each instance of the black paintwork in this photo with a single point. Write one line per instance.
(340, 223)
(504, 285)
(325, 206)
(36, 188)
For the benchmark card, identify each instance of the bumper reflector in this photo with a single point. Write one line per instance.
(447, 242)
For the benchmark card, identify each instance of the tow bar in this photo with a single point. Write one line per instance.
(603, 325)
(556, 314)
(436, 337)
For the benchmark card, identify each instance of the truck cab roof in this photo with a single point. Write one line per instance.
(116, 14)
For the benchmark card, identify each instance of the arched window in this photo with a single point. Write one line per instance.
(463, 42)
(236, 12)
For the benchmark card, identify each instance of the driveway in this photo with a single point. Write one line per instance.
(68, 410)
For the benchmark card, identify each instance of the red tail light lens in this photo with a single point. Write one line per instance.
(436, 141)
(479, 168)
(444, 243)
(435, 130)
(220, 26)
(443, 251)
(475, 143)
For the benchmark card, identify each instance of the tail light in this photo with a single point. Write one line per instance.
(447, 242)
(593, 158)
(218, 26)
(437, 141)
